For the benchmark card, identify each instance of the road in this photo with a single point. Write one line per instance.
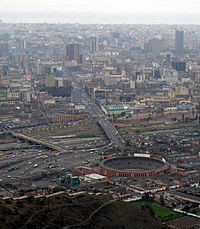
(27, 164)
(96, 112)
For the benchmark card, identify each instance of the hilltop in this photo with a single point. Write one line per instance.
(85, 211)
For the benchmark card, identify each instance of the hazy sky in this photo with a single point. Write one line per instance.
(101, 11)
(102, 6)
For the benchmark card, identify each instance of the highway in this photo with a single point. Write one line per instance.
(96, 112)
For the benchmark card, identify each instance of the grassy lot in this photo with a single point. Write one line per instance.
(84, 129)
(127, 128)
(140, 127)
(84, 132)
(161, 212)
(154, 128)
(158, 127)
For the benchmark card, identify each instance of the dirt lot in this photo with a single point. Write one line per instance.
(81, 133)
(185, 223)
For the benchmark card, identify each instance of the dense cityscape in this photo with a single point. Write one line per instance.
(102, 109)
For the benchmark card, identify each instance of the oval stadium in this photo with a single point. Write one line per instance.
(139, 165)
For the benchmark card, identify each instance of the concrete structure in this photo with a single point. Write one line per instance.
(93, 44)
(64, 118)
(179, 42)
(99, 93)
(179, 66)
(67, 180)
(141, 165)
(73, 53)
(114, 110)
(4, 49)
(50, 81)
(155, 46)
(76, 96)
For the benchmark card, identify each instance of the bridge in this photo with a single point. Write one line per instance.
(39, 142)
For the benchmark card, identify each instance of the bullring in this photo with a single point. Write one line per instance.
(138, 165)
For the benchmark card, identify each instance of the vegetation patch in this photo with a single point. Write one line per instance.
(161, 212)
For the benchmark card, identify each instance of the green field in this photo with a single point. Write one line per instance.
(127, 128)
(161, 212)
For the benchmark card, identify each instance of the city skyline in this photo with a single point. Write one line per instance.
(107, 111)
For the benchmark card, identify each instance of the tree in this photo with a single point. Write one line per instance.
(162, 199)
(173, 205)
(147, 209)
(146, 196)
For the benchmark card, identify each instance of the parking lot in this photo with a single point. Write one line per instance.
(36, 166)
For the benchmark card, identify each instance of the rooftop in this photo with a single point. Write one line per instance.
(116, 107)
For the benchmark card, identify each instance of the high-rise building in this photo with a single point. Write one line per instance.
(179, 42)
(197, 78)
(99, 93)
(4, 49)
(193, 45)
(73, 53)
(155, 46)
(115, 36)
(180, 66)
(4, 69)
(4, 37)
(50, 81)
(76, 95)
(157, 74)
(93, 44)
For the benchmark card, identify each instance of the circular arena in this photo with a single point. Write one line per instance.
(139, 165)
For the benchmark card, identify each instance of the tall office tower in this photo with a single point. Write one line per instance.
(114, 36)
(155, 46)
(179, 42)
(73, 53)
(93, 44)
